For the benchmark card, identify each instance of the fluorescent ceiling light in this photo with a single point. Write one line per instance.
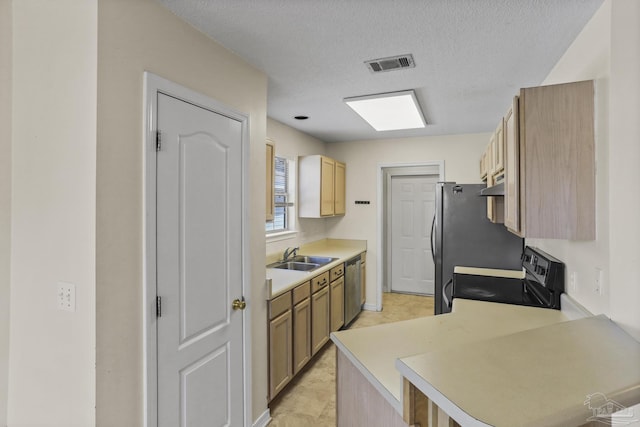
(389, 111)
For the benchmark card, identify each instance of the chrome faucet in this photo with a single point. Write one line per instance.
(290, 252)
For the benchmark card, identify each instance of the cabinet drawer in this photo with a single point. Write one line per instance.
(301, 292)
(337, 272)
(319, 282)
(279, 305)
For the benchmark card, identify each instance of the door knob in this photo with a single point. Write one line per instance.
(239, 304)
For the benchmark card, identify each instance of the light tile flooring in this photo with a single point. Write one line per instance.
(310, 399)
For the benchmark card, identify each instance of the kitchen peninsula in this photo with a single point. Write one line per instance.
(485, 364)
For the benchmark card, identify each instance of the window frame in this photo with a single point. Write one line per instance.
(289, 230)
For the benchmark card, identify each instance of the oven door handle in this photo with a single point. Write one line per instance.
(444, 293)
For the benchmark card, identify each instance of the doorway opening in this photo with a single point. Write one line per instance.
(404, 229)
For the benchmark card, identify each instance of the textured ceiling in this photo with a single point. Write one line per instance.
(471, 55)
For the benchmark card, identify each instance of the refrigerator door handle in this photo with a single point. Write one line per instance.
(444, 294)
(433, 225)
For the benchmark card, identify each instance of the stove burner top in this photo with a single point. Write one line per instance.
(542, 286)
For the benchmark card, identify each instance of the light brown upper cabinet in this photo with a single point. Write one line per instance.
(270, 177)
(340, 189)
(498, 151)
(483, 166)
(550, 162)
(512, 169)
(491, 170)
(321, 187)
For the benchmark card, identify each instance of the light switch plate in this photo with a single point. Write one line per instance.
(66, 296)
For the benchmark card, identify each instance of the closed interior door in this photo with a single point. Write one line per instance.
(199, 267)
(412, 209)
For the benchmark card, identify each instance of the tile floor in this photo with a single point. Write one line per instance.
(310, 399)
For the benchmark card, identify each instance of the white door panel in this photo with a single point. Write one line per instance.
(199, 266)
(413, 204)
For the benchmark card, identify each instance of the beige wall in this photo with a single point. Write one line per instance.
(624, 155)
(291, 143)
(589, 58)
(607, 50)
(52, 352)
(5, 198)
(134, 36)
(461, 155)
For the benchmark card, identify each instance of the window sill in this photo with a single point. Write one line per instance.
(282, 235)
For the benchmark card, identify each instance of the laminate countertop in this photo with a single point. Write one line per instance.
(490, 364)
(374, 350)
(555, 375)
(285, 280)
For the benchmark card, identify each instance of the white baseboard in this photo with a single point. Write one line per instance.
(370, 307)
(263, 419)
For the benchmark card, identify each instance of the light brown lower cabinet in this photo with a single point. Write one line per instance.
(280, 354)
(363, 278)
(337, 304)
(301, 334)
(319, 319)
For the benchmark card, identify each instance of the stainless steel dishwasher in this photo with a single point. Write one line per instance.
(352, 289)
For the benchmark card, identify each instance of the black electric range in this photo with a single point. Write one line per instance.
(541, 286)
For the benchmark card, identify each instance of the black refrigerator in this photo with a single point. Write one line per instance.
(461, 234)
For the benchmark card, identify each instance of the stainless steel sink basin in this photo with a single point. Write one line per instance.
(321, 260)
(294, 265)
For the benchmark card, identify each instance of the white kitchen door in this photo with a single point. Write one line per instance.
(412, 208)
(199, 266)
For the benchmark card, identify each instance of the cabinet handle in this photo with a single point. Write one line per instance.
(324, 282)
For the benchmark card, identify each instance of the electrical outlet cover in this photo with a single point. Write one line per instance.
(66, 296)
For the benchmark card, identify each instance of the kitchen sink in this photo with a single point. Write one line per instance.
(321, 260)
(295, 265)
(302, 263)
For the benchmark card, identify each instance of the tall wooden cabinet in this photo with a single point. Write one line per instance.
(550, 162)
(321, 187)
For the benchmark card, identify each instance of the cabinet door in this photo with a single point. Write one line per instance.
(337, 304)
(490, 203)
(270, 176)
(301, 334)
(319, 319)
(327, 186)
(363, 282)
(340, 189)
(498, 149)
(512, 169)
(280, 353)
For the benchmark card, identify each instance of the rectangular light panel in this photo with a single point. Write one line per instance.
(389, 111)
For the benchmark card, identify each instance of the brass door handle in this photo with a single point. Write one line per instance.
(239, 304)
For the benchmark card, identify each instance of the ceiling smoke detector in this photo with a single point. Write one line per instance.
(391, 63)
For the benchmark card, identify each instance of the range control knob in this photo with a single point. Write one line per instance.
(541, 270)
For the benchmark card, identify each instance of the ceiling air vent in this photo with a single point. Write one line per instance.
(391, 63)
